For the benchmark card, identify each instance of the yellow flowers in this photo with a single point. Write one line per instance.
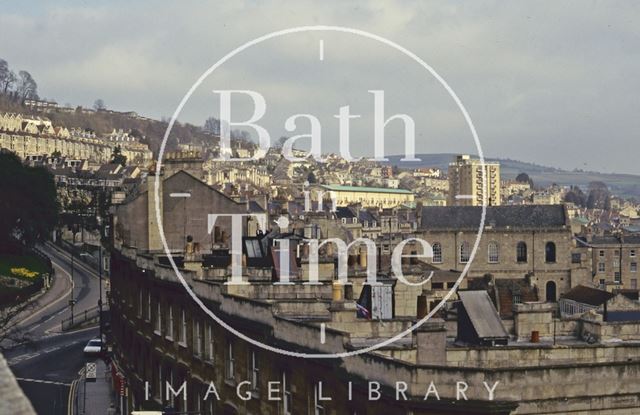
(24, 272)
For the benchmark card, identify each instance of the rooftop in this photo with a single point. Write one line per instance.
(341, 188)
(515, 216)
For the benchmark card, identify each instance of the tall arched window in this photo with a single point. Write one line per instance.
(465, 252)
(550, 252)
(494, 252)
(521, 252)
(437, 253)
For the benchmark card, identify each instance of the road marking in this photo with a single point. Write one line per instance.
(179, 194)
(70, 405)
(62, 297)
(78, 263)
(322, 333)
(48, 382)
(321, 49)
(465, 196)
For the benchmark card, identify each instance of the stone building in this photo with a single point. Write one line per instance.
(30, 137)
(163, 338)
(615, 261)
(516, 241)
(379, 197)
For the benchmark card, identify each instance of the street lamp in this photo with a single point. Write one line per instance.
(72, 301)
(99, 221)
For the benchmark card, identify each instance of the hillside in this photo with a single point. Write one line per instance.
(103, 122)
(624, 185)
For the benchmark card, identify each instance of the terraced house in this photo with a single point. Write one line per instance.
(467, 359)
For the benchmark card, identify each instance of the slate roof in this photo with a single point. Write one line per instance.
(614, 240)
(483, 315)
(345, 213)
(588, 295)
(468, 217)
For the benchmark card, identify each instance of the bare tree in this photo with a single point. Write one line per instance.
(7, 76)
(27, 86)
(212, 125)
(12, 332)
(99, 104)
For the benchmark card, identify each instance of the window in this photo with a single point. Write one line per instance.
(601, 253)
(140, 298)
(465, 252)
(318, 407)
(601, 267)
(344, 220)
(230, 362)
(287, 403)
(616, 253)
(617, 278)
(183, 328)
(521, 252)
(197, 339)
(354, 220)
(634, 283)
(148, 316)
(159, 318)
(254, 371)
(632, 253)
(493, 254)
(253, 248)
(633, 267)
(437, 253)
(576, 258)
(603, 283)
(170, 323)
(550, 252)
(210, 342)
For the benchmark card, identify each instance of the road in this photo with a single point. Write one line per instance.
(47, 366)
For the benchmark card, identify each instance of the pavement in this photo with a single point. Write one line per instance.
(94, 397)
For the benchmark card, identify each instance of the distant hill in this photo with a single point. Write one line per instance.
(624, 185)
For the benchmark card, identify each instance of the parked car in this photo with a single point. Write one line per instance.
(93, 348)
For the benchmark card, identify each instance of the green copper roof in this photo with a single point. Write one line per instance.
(340, 188)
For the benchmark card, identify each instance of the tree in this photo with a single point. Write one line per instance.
(99, 104)
(524, 178)
(27, 86)
(212, 125)
(12, 332)
(7, 77)
(576, 196)
(28, 206)
(599, 196)
(117, 157)
(311, 178)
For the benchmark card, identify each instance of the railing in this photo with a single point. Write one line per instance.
(570, 308)
(80, 318)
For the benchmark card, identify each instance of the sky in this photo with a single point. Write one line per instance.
(550, 82)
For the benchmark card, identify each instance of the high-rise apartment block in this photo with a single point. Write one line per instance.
(466, 187)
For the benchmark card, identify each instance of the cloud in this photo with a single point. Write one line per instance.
(553, 83)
